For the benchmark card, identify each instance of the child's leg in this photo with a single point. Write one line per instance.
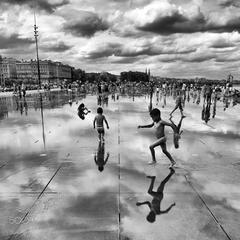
(176, 107)
(179, 124)
(155, 144)
(161, 187)
(150, 189)
(164, 150)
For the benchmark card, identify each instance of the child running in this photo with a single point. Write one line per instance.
(179, 101)
(176, 131)
(160, 134)
(100, 128)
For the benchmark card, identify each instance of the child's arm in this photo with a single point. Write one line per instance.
(146, 126)
(94, 121)
(95, 158)
(106, 159)
(143, 203)
(105, 120)
(168, 209)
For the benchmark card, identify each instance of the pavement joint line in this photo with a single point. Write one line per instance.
(208, 208)
(119, 176)
(29, 210)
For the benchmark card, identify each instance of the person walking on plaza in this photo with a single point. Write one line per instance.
(99, 119)
(155, 204)
(160, 134)
(179, 104)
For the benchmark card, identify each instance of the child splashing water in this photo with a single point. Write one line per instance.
(160, 134)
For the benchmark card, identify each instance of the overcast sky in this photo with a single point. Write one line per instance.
(175, 38)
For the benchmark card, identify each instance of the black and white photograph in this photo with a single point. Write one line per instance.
(119, 119)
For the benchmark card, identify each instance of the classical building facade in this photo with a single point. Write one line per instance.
(7, 69)
(27, 71)
(50, 72)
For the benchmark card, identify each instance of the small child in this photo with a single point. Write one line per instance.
(100, 128)
(176, 131)
(160, 134)
(82, 111)
(179, 101)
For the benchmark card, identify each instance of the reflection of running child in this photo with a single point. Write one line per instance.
(99, 157)
(99, 120)
(155, 204)
(176, 131)
(179, 101)
(160, 134)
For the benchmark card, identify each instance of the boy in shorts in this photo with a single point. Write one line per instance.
(159, 125)
(99, 120)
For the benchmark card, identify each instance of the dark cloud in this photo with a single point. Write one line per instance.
(14, 41)
(222, 43)
(105, 51)
(40, 4)
(58, 47)
(199, 57)
(177, 23)
(86, 25)
(230, 3)
(116, 49)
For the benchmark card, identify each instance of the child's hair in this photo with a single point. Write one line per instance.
(100, 110)
(155, 112)
(81, 105)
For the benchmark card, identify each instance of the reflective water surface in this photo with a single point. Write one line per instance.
(57, 181)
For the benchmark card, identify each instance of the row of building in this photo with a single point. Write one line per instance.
(27, 71)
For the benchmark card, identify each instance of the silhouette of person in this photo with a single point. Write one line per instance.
(99, 157)
(82, 111)
(155, 204)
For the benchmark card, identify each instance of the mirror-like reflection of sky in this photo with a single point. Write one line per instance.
(65, 196)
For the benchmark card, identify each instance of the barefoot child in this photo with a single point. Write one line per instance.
(99, 120)
(160, 134)
(179, 101)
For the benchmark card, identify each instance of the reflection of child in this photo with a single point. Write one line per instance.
(160, 134)
(155, 204)
(176, 131)
(99, 157)
(99, 120)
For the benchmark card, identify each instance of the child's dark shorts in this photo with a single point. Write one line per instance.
(100, 130)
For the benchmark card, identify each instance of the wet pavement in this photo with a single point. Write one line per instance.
(51, 186)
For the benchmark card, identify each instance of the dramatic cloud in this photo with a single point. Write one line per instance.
(199, 37)
(14, 41)
(165, 18)
(86, 25)
(41, 5)
(57, 47)
(229, 3)
(222, 43)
